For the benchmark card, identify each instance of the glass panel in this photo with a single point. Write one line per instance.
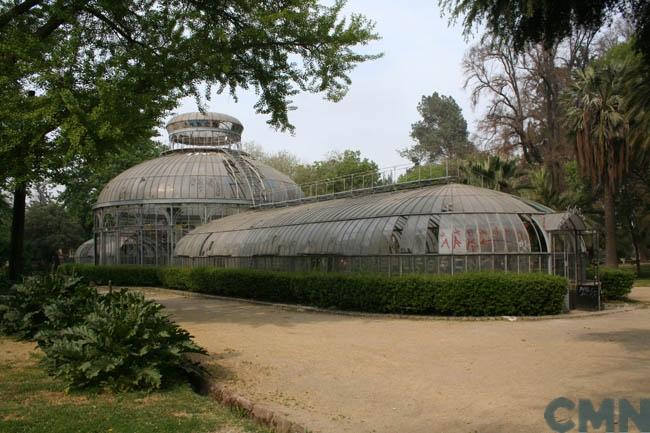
(484, 234)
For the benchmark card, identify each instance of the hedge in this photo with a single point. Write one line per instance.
(616, 283)
(467, 294)
(120, 275)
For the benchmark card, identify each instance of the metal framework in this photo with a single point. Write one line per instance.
(85, 253)
(445, 228)
(164, 210)
(142, 213)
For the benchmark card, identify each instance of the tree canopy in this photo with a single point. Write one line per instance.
(441, 133)
(83, 79)
(103, 73)
(521, 22)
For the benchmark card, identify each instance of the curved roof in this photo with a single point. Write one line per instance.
(369, 224)
(85, 252)
(198, 176)
(207, 115)
(204, 129)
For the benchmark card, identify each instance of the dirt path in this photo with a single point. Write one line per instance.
(349, 374)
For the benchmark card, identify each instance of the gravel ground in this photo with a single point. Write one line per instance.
(359, 374)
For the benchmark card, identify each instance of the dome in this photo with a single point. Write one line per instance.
(142, 212)
(417, 221)
(199, 176)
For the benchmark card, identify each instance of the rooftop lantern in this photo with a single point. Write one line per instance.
(204, 130)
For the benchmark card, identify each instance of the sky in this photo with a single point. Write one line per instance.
(422, 54)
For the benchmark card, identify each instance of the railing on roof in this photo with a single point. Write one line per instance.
(382, 180)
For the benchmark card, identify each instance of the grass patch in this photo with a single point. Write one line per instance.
(642, 282)
(34, 402)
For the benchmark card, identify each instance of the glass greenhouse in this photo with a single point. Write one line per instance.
(142, 213)
(446, 228)
(207, 203)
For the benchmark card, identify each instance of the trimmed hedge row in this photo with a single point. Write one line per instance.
(468, 294)
(616, 283)
(120, 275)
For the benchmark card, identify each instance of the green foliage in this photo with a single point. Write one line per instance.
(84, 178)
(424, 171)
(126, 64)
(124, 343)
(5, 230)
(441, 133)
(521, 22)
(471, 294)
(5, 282)
(119, 275)
(495, 172)
(26, 308)
(347, 168)
(48, 228)
(44, 406)
(616, 283)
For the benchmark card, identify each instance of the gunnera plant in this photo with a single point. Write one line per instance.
(27, 308)
(126, 342)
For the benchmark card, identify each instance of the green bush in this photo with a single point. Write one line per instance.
(125, 342)
(469, 294)
(119, 275)
(5, 282)
(616, 283)
(25, 307)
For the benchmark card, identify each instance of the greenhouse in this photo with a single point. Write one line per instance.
(85, 253)
(141, 213)
(445, 228)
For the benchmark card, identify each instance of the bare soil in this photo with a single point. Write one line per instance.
(359, 374)
(14, 351)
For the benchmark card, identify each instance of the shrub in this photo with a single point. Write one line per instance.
(616, 283)
(469, 294)
(126, 342)
(5, 282)
(119, 275)
(25, 307)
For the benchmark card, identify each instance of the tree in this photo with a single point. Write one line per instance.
(79, 79)
(283, 160)
(522, 22)
(442, 132)
(597, 116)
(338, 172)
(495, 172)
(83, 180)
(5, 230)
(522, 88)
(50, 228)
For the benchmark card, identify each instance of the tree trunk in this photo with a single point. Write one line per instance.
(17, 232)
(635, 241)
(610, 229)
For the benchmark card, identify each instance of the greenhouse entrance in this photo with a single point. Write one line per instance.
(568, 255)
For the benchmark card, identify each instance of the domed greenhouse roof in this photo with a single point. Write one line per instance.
(449, 218)
(198, 176)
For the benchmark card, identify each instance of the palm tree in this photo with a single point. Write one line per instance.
(598, 118)
(495, 172)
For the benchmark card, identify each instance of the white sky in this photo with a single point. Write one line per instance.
(421, 55)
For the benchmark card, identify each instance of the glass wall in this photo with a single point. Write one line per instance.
(147, 234)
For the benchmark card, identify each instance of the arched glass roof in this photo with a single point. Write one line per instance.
(199, 176)
(85, 253)
(443, 219)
